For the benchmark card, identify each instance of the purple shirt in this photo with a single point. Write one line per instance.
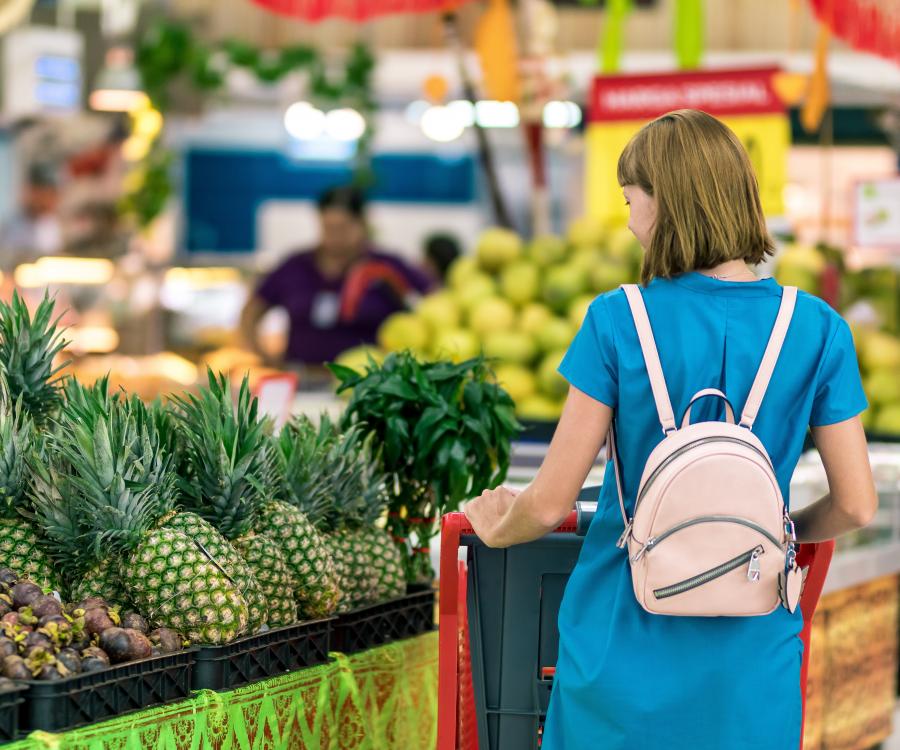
(313, 303)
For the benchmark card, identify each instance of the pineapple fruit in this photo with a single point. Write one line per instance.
(108, 488)
(225, 477)
(333, 480)
(30, 398)
(20, 545)
(312, 570)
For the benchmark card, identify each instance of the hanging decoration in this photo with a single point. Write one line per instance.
(689, 33)
(495, 44)
(611, 43)
(170, 56)
(819, 92)
(867, 25)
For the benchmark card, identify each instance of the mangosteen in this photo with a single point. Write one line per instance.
(10, 617)
(50, 672)
(8, 577)
(133, 621)
(15, 669)
(94, 659)
(123, 644)
(58, 619)
(4, 607)
(70, 659)
(38, 639)
(8, 647)
(97, 620)
(25, 593)
(167, 640)
(92, 602)
(46, 605)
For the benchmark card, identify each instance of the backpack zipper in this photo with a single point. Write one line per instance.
(749, 558)
(689, 446)
(654, 540)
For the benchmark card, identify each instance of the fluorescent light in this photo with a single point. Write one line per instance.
(118, 85)
(92, 339)
(442, 124)
(60, 271)
(464, 110)
(493, 114)
(559, 114)
(118, 100)
(345, 124)
(304, 122)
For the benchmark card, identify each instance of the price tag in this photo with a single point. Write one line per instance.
(276, 396)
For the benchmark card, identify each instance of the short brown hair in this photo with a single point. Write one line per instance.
(708, 207)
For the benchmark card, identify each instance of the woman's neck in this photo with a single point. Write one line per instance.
(732, 270)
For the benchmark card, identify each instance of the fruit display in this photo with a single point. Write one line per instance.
(870, 299)
(520, 304)
(191, 512)
(43, 639)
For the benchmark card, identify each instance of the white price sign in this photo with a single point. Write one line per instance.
(876, 221)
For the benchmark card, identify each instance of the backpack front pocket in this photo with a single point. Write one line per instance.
(750, 558)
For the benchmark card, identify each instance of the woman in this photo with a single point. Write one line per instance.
(627, 679)
(338, 293)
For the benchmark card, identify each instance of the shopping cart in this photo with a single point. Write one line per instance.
(498, 630)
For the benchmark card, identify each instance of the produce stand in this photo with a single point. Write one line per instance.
(381, 698)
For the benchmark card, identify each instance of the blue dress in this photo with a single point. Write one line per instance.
(629, 680)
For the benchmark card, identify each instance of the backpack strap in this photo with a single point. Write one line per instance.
(651, 357)
(770, 358)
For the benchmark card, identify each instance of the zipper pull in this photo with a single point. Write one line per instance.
(623, 540)
(646, 548)
(753, 572)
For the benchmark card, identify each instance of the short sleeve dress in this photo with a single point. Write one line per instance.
(629, 680)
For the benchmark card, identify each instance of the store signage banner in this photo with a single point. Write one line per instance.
(745, 100)
(877, 214)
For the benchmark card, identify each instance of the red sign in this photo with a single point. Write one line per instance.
(718, 92)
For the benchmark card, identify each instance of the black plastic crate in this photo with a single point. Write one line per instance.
(10, 700)
(88, 698)
(377, 624)
(261, 656)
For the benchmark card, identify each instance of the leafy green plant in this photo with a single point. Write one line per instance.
(445, 431)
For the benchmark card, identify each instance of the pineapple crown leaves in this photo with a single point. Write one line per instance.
(332, 477)
(103, 482)
(28, 346)
(17, 438)
(226, 469)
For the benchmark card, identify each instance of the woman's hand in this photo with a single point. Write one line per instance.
(486, 512)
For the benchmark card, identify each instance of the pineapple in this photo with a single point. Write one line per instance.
(108, 489)
(332, 479)
(225, 477)
(268, 562)
(20, 545)
(27, 349)
(315, 582)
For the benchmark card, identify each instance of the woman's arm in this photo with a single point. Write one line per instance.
(502, 518)
(852, 499)
(251, 315)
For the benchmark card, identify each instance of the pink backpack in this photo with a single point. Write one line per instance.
(710, 535)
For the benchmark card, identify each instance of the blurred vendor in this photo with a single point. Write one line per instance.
(338, 293)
